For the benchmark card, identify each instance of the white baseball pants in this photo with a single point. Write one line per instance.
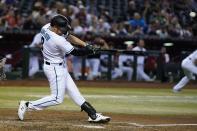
(60, 82)
(94, 64)
(128, 71)
(141, 75)
(33, 65)
(77, 67)
(189, 70)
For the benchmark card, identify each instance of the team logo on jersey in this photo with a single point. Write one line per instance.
(46, 36)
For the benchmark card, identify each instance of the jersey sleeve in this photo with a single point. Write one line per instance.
(194, 55)
(36, 40)
(65, 46)
(135, 49)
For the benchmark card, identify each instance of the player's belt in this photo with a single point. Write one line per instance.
(48, 63)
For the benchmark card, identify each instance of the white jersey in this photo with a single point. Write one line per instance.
(55, 46)
(140, 59)
(36, 40)
(193, 56)
(124, 58)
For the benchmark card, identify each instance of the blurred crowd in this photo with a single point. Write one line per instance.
(162, 18)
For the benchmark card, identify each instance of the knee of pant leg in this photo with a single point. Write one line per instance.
(191, 77)
(120, 73)
(59, 100)
(131, 70)
(184, 64)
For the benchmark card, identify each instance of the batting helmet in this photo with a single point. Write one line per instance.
(62, 22)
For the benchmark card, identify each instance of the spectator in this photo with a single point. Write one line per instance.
(77, 28)
(131, 8)
(82, 15)
(162, 32)
(138, 21)
(102, 27)
(146, 17)
(122, 29)
(29, 23)
(153, 28)
(11, 20)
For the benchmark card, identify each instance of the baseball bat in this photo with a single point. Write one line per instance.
(114, 51)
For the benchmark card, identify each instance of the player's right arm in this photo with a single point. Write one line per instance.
(89, 49)
(73, 39)
(68, 48)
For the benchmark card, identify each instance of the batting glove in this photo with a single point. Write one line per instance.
(92, 48)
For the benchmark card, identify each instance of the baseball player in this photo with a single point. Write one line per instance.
(189, 66)
(116, 72)
(77, 67)
(34, 58)
(125, 63)
(93, 61)
(56, 43)
(141, 75)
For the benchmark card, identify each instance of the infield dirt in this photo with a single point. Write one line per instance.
(77, 121)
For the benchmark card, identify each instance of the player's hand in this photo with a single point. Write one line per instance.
(96, 50)
(89, 47)
(92, 48)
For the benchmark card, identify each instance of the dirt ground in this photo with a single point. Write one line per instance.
(49, 120)
(77, 121)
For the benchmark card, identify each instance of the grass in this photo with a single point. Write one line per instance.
(116, 100)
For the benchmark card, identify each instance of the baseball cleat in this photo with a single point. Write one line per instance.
(99, 119)
(22, 109)
(176, 90)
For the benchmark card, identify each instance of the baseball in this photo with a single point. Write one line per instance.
(192, 14)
